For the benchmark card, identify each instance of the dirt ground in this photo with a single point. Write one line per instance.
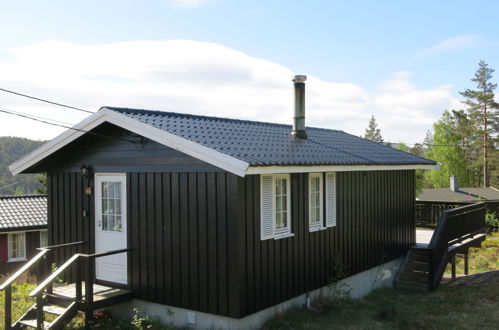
(472, 279)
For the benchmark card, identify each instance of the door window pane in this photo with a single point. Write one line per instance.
(111, 206)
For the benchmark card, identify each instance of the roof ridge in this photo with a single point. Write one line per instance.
(22, 196)
(224, 119)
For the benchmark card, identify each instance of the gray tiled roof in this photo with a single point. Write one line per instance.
(447, 195)
(23, 211)
(269, 144)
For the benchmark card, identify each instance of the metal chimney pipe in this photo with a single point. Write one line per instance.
(454, 183)
(299, 117)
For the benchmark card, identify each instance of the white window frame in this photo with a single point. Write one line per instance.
(314, 226)
(9, 245)
(47, 236)
(286, 230)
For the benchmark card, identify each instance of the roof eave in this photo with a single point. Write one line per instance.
(337, 168)
(188, 147)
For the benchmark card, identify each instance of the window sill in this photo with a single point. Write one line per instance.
(316, 228)
(283, 235)
(17, 259)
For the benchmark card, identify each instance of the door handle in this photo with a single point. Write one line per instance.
(99, 223)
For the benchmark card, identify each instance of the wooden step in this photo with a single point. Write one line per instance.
(415, 278)
(54, 309)
(32, 323)
(419, 252)
(57, 299)
(410, 285)
(418, 267)
(417, 258)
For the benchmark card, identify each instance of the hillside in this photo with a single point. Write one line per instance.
(11, 149)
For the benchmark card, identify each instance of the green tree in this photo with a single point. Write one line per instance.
(373, 133)
(447, 151)
(416, 150)
(42, 180)
(482, 111)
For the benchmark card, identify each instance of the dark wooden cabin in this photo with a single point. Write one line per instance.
(23, 228)
(224, 216)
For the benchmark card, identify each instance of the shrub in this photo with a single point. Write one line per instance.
(492, 222)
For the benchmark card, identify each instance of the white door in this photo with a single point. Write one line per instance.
(110, 227)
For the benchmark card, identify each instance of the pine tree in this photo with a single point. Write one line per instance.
(482, 111)
(464, 127)
(373, 133)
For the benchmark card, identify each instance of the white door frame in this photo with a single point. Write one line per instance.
(113, 268)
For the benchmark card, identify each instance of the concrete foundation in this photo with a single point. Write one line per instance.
(358, 286)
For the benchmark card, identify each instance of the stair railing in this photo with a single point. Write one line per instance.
(88, 303)
(42, 268)
(453, 225)
(89, 281)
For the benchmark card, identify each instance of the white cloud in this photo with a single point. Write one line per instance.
(202, 78)
(456, 43)
(188, 3)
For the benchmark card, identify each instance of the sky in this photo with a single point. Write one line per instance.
(402, 61)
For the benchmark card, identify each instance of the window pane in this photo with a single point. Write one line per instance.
(104, 222)
(281, 203)
(43, 238)
(117, 206)
(118, 224)
(105, 189)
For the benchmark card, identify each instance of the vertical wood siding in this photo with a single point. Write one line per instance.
(375, 223)
(197, 235)
(178, 224)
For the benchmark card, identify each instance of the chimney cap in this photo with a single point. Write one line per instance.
(299, 78)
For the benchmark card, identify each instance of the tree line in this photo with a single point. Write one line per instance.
(464, 141)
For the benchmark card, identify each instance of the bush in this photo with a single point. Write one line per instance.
(492, 222)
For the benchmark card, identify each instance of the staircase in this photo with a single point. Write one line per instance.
(415, 272)
(457, 230)
(57, 305)
(60, 310)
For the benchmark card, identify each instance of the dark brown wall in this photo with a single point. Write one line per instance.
(179, 225)
(113, 149)
(32, 242)
(197, 235)
(375, 223)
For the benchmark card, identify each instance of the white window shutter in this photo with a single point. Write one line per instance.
(267, 207)
(330, 199)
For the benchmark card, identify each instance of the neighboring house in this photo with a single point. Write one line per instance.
(23, 228)
(458, 194)
(225, 217)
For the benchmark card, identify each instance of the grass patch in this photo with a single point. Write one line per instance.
(481, 259)
(449, 307)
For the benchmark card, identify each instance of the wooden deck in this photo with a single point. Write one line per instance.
(101, 292)
(423, 237)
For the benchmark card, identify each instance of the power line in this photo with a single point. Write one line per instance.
(10, 185)
(46, 101)
(51, 122)
(64, 125)
(35, 117)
